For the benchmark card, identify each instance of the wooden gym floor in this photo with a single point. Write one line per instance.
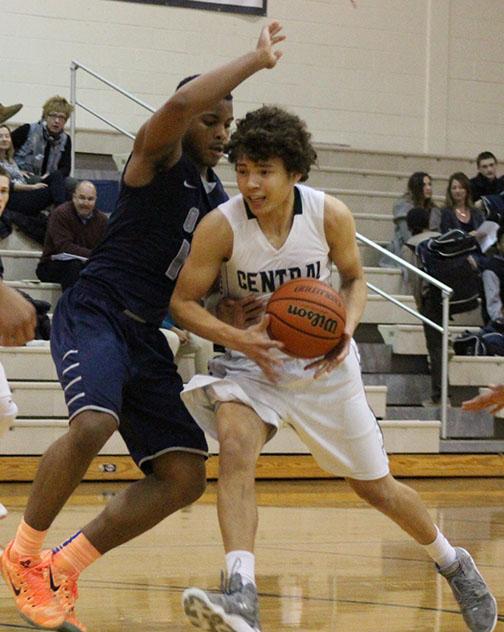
(325, 560)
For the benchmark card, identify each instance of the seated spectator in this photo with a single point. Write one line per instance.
(417, 221)
(493, 281)
(427, 298)
(4, 197)
(486, 182)
(43, 324)
(44, 147)
(459, 211)
(419, 194)
(26, 198)
(8, 111)
(75, 228)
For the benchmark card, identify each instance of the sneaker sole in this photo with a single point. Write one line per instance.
(32, 623)
(68, 627)
(205, 615)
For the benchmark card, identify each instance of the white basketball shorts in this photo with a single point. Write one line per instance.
(331, 415)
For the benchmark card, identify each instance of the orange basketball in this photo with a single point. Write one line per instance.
(308, 316)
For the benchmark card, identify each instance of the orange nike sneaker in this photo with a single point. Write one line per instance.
(28, 579)
(65, 589)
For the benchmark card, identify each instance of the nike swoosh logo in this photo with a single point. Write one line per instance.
(17, 591)
(54, 587)
(189, 186)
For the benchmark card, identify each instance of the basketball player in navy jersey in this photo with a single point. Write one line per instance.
(114, 364)
(278, 229)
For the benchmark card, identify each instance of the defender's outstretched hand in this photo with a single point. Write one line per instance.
(493, 400)
(240, 313)
(270, 36)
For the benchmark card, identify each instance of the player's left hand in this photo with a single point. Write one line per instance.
(332, 359)
(492, 400)
(266, 46)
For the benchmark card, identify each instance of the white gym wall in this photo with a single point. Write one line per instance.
(406, 75)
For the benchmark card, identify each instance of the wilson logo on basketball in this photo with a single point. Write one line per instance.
(316, 319)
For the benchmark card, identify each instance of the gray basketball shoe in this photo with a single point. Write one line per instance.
(477, 604)
(234, 609)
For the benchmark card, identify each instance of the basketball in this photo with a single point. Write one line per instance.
(308, 316)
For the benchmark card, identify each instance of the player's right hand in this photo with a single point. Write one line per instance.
(17, 318)
(270, 36)
(259, 347)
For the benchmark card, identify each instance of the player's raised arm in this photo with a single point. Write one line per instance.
(212, 244)
(159, 139)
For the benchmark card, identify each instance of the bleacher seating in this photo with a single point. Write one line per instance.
(368, 182)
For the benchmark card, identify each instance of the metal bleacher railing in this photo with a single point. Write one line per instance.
(445, 290)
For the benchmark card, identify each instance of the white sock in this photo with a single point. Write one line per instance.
(441, 551)
(3, 511)
(243, 563)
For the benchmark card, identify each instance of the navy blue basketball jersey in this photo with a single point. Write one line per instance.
(149, 237)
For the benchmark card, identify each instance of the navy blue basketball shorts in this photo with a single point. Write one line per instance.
(109, 362)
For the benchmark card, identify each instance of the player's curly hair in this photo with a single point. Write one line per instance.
(272, 132)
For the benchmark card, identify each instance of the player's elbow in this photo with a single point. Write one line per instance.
(177, 307)
(178, 108)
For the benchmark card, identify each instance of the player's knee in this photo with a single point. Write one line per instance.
(8, 412)
(181, 475)
(90, 430)
(379, 494)
(235, 454)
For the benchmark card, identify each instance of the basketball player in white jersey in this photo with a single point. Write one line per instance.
(275, 230)
(17, 326)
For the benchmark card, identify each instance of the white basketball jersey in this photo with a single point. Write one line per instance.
(256, 266)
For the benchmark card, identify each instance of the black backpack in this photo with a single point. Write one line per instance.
(446, 259)
(488, 341)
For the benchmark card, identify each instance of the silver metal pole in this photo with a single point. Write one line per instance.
(114, 86)
(444, 367)
(101, 118)
(73, 101)
(403, 263)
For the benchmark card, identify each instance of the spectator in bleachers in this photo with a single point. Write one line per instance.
(417, 221)
(44, 147)
(493, 280)
(17, 316)
(74, 229)
(486, 182)
(418, 194)
(426, 298)
(26, 198)
(459, 211)
(8, 111)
